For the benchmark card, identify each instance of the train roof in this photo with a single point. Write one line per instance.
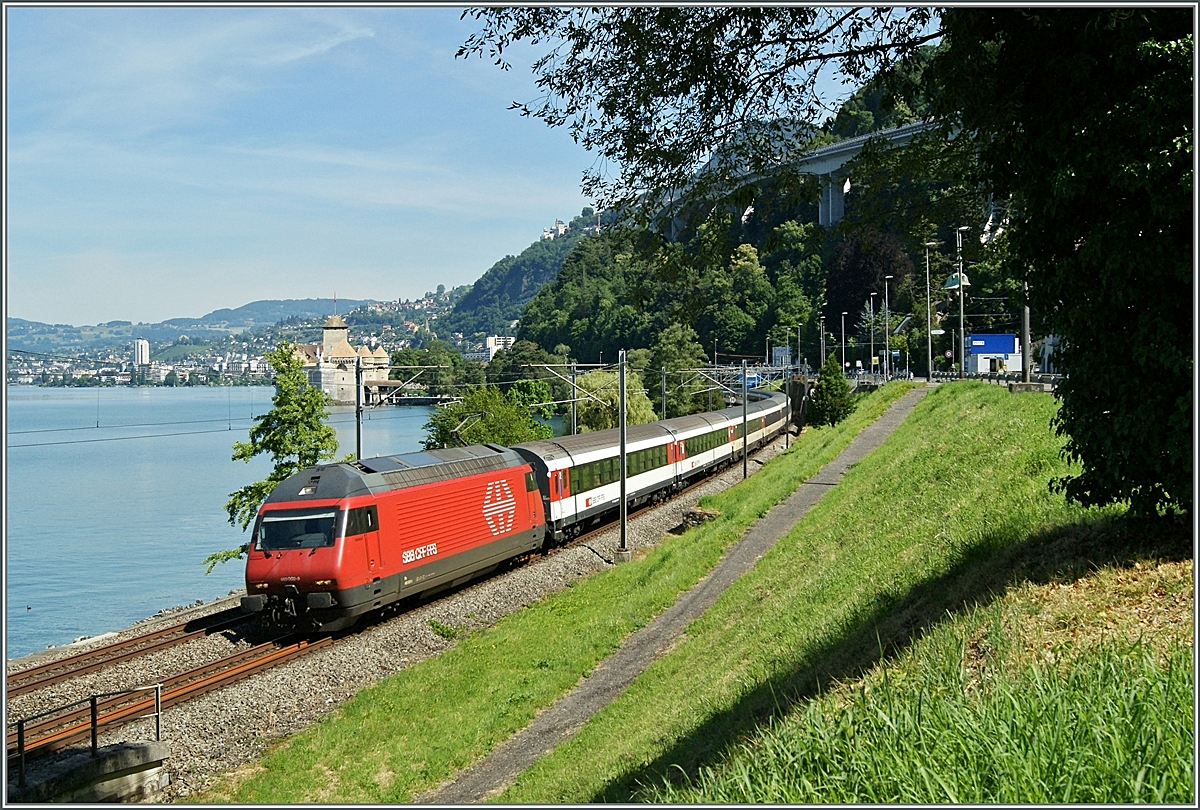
(386, 473)
(574, 446)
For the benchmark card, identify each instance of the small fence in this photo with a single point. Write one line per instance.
(94, 700)
(1002, 378)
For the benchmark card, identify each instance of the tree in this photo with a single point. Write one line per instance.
(486, 415)
(1095, 169)
(860, 266)
(830, 402)
(678, 351)
(605, 386)
(293, 432)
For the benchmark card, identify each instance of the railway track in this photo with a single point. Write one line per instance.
(63, 669)
(45, 735)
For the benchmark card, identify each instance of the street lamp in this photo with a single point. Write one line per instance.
(843, 344)
(887, 329)
(822, 340)
(872, 322)
(928, 313)
(962, 334)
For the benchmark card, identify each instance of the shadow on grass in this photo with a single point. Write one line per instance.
(1058, 554)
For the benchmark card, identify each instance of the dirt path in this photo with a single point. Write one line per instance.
(559, 722)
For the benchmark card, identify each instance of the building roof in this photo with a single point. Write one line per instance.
(363, 351)
(335, 322)
(342, 350)
(380, 352)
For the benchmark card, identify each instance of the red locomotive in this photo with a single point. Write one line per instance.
(338, 540)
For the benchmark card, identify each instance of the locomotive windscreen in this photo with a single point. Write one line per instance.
(286, 529)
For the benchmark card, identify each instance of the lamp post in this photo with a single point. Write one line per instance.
(822, 340)
(872, 323)
(843, 344)
(962, 334)
(887, 330)
(928, 315)
(623, 553)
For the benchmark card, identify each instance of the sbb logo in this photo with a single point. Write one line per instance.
(499, 507)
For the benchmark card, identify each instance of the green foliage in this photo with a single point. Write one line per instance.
(679, 352)
(534, 395)
(890, 99)
(592, 305)
(485, 415)
(452, 371)
(830, 401)
(605, 387)
(293, 432)
(1097, 166)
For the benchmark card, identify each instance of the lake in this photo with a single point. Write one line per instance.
(108, 525)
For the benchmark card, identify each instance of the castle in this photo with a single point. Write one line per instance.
(330, 363)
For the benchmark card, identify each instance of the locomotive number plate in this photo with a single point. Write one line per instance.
(414, 554)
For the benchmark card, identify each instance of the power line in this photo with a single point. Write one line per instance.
(180, 433)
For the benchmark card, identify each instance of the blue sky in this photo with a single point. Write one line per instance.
(167, 162)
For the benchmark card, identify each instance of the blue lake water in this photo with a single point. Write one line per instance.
(107, 525)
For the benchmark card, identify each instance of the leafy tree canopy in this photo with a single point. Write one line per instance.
(599, 411)
(1096, 170)
(678, 351)
(486, 415)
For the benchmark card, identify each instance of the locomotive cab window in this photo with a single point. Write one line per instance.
(287, 529)
(362, 520)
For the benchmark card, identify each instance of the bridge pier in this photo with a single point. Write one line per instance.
(833, 199)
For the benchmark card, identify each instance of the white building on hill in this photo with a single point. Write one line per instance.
(492, 344)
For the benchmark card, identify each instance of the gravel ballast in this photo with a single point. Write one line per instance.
(224, 730)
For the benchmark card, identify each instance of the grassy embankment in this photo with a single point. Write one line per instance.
(406, 734)
(939, 628)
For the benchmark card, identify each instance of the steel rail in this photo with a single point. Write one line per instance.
(18, 682)
(29, 680)
(54, 733)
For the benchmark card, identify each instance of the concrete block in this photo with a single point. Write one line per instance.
(117, 772)
(1026, 388)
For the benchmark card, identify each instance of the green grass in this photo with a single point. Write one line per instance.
(951, 512)
(1106, 726)
(408, 733)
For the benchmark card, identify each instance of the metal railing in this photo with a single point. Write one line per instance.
(94, 700)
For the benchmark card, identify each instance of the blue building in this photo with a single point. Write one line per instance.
(994, 353)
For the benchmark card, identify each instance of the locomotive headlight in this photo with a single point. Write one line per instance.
(260, 585)
(324, 582)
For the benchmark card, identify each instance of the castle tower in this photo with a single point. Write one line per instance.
(333, 333)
